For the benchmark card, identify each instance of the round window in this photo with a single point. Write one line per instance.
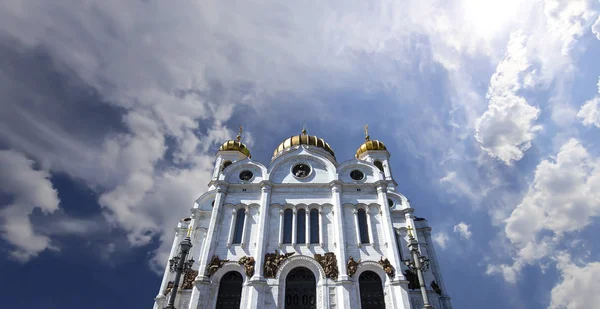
(246, 175)
(357, 175)
(226, 164)
(390, 202)
(301, 170)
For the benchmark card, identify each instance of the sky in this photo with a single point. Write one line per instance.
(111, 113)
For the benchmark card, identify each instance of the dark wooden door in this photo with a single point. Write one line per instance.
(230, 291)
(371, 291)
(300, 289)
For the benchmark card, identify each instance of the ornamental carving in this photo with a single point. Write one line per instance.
(169, 287)
(248, 263)
(413, 279)
(329, 264)
(214, 265)
(352, 266)
(188, 279)
(273, 261)
(387, 267)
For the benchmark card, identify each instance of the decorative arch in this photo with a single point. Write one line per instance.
(371, 266)
(300, 261)
(215, 280)
(259, 170)
(303, 153)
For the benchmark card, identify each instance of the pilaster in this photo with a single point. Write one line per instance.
(391, 246)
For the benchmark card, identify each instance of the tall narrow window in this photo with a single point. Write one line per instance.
(379, 165)
(314, 226)
(239, 226)
(362, 226)
(301, 226)
(287, 226)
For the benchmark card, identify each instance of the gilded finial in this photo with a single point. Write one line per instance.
(410, 229)
(239, 136)
(367, 137)
(304, 128)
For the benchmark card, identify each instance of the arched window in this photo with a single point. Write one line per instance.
(300, 289)
(362, 226)
(287, 226)
(379, 165)
(301, 226)
(239, 226)
(371, 291)
(230, 291)
(314, 226)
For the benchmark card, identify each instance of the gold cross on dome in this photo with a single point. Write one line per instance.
(409, 229)
(239, 136)
(367, 137)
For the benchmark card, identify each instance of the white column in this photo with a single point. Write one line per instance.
(281, 211)
(370, 225)
(262, 230)
(211, 234)
(231, 227)
(320, 224)
(434, 266)
(244, 233)
(355, 212)
(160, 298)
(388, 230)
(307, 226)
(294, 227)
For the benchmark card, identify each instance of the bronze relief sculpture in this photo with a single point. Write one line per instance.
(352, 266)
(329, 264)
(214, 265)
(387, 267)
(273, 261)
(248, 263)
(188, 279)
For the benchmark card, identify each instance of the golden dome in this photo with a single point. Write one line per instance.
(369, 144)
(236, 145)
(303, 139)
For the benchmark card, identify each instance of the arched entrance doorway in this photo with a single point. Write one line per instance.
(300, 289)
(371, 291)
(230, 291)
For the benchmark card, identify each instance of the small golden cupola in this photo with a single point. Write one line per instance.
(236, 145)
(303, 139)
(369, 144)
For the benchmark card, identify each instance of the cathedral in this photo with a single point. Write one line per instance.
(303, 231)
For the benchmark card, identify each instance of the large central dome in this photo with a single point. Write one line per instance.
(303, 139)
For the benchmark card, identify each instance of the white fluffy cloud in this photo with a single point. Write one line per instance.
(596, 28)
(563, 197)
(579, 287)
(27, 188)
(463, 230)
(441, 239)
(506, 129)
(590, 111)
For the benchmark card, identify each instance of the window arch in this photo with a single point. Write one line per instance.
(239, 226)
(371, 291)
(287, 226)
(314, 226)
(301, 226)
(362, 226)
(230, 291)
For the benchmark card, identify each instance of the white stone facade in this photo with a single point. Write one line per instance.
(329, 189)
